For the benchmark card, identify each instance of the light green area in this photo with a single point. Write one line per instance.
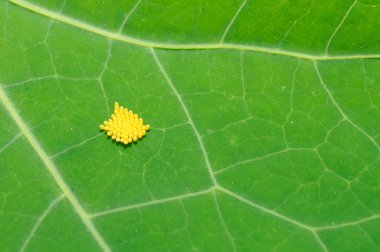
(248, 150)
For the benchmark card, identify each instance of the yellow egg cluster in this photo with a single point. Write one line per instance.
(124, 126)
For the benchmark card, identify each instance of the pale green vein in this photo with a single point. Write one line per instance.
(187, 113)
(128, 16)
(151, 44)
(100, 79)
(347, 224)
(40, 220)
(151, 203)
(232, 21)
(369, 236)
(345, 117)
(252, 160)
(338, 27)
(59, 153)
(54, 77)
(265, 210)
(276, 214)
(2, 149)
(52, 169)
(319, 240)
(223, 222)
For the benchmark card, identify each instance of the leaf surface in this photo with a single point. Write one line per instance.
(265, 125)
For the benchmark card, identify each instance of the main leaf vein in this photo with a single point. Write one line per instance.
(152, 44)
(52, 169)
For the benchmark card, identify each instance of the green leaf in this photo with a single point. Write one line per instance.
(265, 125)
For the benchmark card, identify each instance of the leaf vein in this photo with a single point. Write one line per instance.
(10, 142)
(203, 46)
(52, 169)
(230, 237)
(187, 113)
(150, 203)
(345, 117)
(40, 220)
(338, 27)
(263, 209)
(232, 21)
